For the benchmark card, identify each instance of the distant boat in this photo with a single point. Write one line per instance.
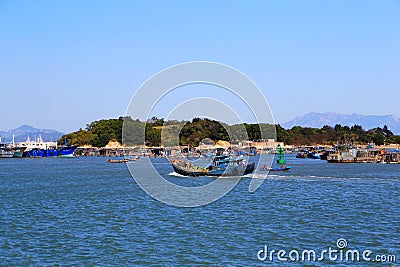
(281, 168)
(222, 165)
(67, 152)
(38, 148)
(34, 153)
(132, 158)
(117, 161)
(6, 151)
(51, 152)
(301, 155)
(19, 152)
(314, 155)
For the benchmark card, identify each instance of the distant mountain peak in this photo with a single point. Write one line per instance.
(22, 132)
(24, 128)
(318, 120)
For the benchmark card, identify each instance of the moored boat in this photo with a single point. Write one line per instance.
(19, 152)
(51, 152)
(6, 152)
(314, 155)
(67, 152)
(34, 153)
(37, 148)
(301, 155)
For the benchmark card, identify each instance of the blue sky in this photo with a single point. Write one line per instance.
(66, 63)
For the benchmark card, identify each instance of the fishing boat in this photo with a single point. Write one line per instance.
(117, 161)
(38, 148)
(6, 151)
(51, 151)
(135, 158)
(19, 152)
(222, 165)
(281, 168)
(67, 152)
(34, 153)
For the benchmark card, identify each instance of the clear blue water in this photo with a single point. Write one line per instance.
(87, 212)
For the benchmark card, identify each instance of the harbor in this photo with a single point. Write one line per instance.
(370, 153)
(36, 148)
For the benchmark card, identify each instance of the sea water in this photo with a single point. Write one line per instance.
(85, 211)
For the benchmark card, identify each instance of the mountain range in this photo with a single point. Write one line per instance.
(318, 120)
(21, 133)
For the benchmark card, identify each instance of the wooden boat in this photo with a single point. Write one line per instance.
(282, 168)
(117, 161)
(223, 165)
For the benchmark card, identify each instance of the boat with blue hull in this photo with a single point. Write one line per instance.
(67, 152)
(34, 153)
(223, 165)
(51, 152)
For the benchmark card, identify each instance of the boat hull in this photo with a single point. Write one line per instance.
(67, 152)
(51, 153)
(6, 153)
(280, 169)
(34, 153)
(19, 152)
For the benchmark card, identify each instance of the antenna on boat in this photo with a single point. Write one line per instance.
(13, 140)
